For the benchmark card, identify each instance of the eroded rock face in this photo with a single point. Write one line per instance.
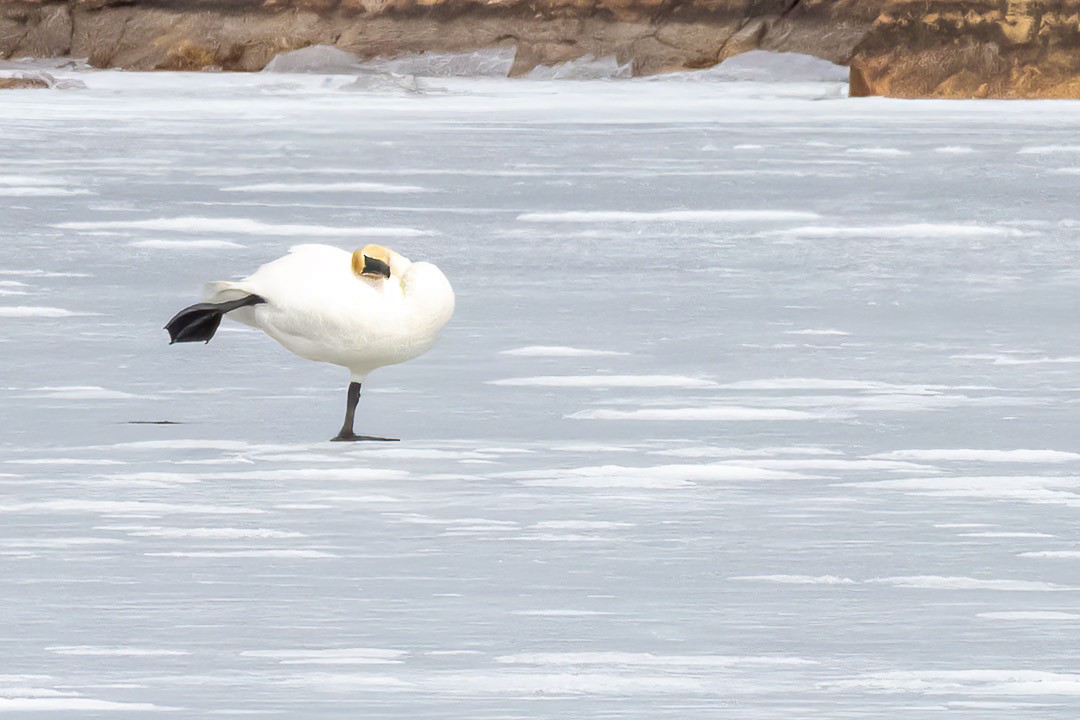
(651, 35)
(971, 49)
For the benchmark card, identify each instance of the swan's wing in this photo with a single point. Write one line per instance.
(219, 291)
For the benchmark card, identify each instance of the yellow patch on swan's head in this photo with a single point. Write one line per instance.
(372, 261)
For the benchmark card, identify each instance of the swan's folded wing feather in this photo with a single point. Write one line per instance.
(218, 291)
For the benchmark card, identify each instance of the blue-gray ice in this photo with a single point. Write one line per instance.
(759, 403)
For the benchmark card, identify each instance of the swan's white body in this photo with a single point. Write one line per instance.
(318, 308)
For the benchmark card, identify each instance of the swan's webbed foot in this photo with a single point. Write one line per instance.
(346, 434)
(362, 438)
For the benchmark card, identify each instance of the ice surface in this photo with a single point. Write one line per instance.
(758, 403)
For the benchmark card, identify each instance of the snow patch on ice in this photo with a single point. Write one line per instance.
(982, 456)
(799, 579)
(333, 656)
(975, 682)
(608, 381)
(827, 384)
(61, 543)
(1029, 615)
(657, 476)
(75, 704)
(83, 392)
(284, 554)
(580, 525)
(686, 216)
(34, 311)
(575, 684)
(31, 180)
(883, 152)
(186, 244)
(732, 413)
(921, 582)
(1009, 488)
(66, 461)
(559, 613)
(715, 452)
(94, 651)
(833, 463)
(640, 659)
(123, 507)
(558, 351)
(362, 187)
(214, 533)
(1006, 534)
(940, 582)
(37, 191)
(1048, 149)
(187, 444)
(1011, 360)
(900, 231)
(43, 274)
(240, 226)
(823, 332)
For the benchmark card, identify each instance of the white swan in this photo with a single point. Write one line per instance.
(360, 311)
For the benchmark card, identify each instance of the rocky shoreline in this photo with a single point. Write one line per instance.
(901, 48)
(656, 36)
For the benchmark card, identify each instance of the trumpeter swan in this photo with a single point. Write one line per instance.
(360, 311)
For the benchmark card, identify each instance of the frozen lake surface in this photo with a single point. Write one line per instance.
(759, 402)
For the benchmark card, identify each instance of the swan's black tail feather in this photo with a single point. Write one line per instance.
(199, 322)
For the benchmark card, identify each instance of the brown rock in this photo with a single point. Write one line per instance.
(653, 35)
(21, 83)
(971, 49)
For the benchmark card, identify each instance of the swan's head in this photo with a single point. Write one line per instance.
(373, 261)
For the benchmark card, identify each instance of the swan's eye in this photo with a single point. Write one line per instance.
(374, 267)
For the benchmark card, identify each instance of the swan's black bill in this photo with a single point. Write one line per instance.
(199, 322)
(375, 267)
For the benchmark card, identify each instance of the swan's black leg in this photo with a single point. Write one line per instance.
(350, 412)
(346, 434)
